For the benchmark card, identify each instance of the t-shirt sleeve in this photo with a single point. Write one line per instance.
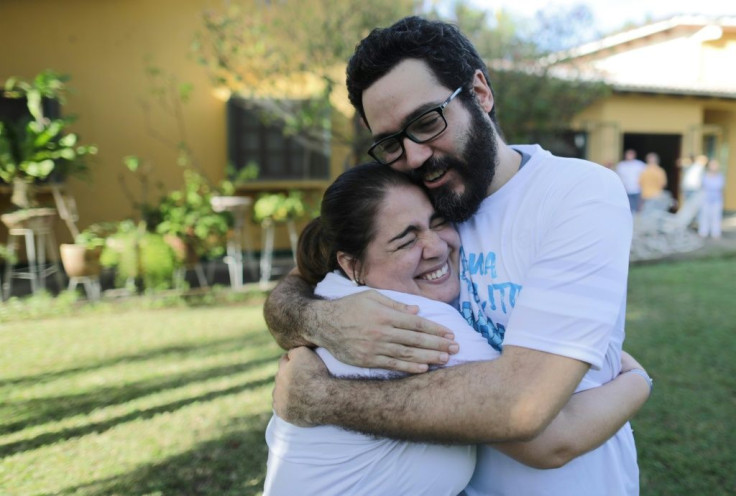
(473, 346)
(574, 291)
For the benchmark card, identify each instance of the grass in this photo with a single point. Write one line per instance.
(128, 400)
(157, 402)
(681, 324)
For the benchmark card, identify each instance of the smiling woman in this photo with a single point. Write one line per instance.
(378, 230)
(414, 250)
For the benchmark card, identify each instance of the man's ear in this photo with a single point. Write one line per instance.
(482, 91)
(349, 265)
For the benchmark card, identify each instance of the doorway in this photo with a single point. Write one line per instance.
(667, 146)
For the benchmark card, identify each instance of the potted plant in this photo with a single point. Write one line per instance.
(271, 209)
(34, 143)
(189, 222)
(82, 258)
(142, 260)
(279, 207)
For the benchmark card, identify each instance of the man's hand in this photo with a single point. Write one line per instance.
(366, 329)
(371, 330)
(297, 386)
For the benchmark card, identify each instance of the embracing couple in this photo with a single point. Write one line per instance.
(510, 379)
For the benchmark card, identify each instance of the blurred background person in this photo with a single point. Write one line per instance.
(652, 182)
(629, 170)
(711, 210)
(692, 176)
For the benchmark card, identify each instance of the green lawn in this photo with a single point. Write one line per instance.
(681, 324)
(160, 402)
(175, 401)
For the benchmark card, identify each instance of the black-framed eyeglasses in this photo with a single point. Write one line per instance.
(421, 129)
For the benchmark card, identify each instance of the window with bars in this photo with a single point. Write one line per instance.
(279, 156)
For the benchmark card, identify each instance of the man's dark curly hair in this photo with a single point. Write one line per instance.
(447, 52)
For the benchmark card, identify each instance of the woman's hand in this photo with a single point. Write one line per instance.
(628, 362)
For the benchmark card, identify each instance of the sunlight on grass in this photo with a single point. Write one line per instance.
(104, 402)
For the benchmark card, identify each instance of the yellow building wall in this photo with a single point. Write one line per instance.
(606, 121)
(105, 46)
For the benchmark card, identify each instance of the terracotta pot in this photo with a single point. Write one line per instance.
(80, 261)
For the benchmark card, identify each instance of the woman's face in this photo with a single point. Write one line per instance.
(414, 250)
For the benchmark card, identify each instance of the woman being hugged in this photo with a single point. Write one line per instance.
(378, 230)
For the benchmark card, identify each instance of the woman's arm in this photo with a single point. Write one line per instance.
(586, 421)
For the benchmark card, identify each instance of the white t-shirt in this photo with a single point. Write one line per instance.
(545, 266)
(692, 177)
(629, 172)
(329, 460)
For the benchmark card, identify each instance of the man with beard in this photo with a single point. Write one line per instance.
(544, 269)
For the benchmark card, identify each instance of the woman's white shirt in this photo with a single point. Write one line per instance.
(329, 460)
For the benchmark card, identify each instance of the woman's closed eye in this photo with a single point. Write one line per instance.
(407, 243)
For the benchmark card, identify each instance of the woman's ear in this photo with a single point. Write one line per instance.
(349, 265)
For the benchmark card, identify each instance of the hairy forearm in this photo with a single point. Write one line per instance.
(430, 407)
(480, 402)
(289, 312)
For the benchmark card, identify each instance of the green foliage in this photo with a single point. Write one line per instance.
(32, 148)
(252, 50)
(496, 36)
(255, 53)
(247, 173)
(534, 106)
(188, 215)
(6, 256)
(39, 305)
(95, 235)
(280, 207)
(141, 201)
(139, 256)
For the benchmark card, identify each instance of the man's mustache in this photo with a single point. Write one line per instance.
(432, 165)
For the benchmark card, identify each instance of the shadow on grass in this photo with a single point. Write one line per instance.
(193, 349)
(98, 427)
(232, 465)
(39, 411)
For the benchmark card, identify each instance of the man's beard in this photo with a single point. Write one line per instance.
(476, 169)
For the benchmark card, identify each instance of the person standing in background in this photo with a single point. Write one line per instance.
(629, 170)
(652, 181)
(692, 176)
(711, 211)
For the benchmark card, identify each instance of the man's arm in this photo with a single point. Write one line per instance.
(512, 398)
(366, 329)
(588, 420)
(287, 314)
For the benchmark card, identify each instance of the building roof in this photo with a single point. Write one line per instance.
(683, 55)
